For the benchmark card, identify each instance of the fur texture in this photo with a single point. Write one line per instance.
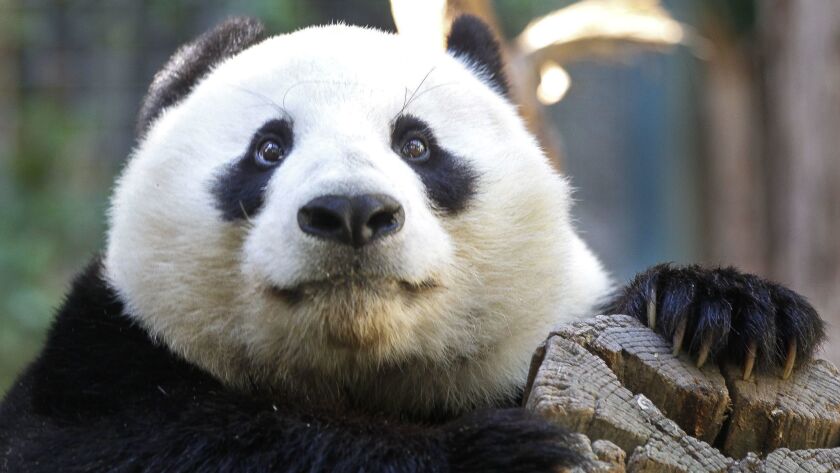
(442, 315)
(730, 309)
(103, 396)
(192, 62)
(240, 188)
(471, 40)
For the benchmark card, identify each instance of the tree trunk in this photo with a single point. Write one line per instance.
(734, 198)
(800, 43)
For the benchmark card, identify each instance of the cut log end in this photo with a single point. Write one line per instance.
(612, 378)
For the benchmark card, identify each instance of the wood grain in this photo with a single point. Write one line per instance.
(612, 379)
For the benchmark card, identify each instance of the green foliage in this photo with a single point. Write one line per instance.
(740, 15)
(51, 221)
(516, 14)
(277, 16)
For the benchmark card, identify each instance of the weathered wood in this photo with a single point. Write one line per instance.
(576, 389)
(769, 413)
(784, 460)
(610, 454)
(695, 399)
(603, 455)
(599, 376)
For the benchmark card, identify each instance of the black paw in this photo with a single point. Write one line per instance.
(724, 314)
(508, 440)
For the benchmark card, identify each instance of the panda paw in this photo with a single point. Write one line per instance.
(724, 314)
(508, 440)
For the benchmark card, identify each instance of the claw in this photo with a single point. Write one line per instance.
(651, 310)
(791, 360)
(750, 361)
(705, 346)
(679, 333)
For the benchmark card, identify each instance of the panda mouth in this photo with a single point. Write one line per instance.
(299, 292)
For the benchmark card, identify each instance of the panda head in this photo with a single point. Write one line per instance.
(340, 210)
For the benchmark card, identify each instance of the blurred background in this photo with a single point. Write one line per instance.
(694, 130)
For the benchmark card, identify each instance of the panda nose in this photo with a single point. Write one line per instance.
(354, 221)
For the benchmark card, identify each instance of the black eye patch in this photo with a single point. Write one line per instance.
(450, 182)
(240, 189)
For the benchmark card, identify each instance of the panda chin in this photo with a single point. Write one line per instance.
(357, 313)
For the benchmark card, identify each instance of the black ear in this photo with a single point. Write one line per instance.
(471, 39)
(193, 61)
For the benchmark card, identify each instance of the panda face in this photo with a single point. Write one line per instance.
(339, 209)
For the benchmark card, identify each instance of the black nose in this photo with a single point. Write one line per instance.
(354, 221)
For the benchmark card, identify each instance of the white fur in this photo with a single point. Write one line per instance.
(507, 268)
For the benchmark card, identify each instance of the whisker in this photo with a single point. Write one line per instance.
(267, 99)
(406, 103)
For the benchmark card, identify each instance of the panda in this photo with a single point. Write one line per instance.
(336, 250)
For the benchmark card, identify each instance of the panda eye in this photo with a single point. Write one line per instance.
(269, 153)
(415, 148)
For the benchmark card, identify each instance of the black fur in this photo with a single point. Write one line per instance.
(192, 62)
(471, 39)
(730, 307)
(240, 190)
(450, 182)
(102, 396)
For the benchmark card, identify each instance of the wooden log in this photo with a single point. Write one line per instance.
(603, 456)
(785, 460)
(600, 376)
(576, 389)
(606, 457)
(609, 454)
(695, 399)
(769, 413)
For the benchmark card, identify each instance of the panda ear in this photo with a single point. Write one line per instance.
(193, 61)
(471, 40)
